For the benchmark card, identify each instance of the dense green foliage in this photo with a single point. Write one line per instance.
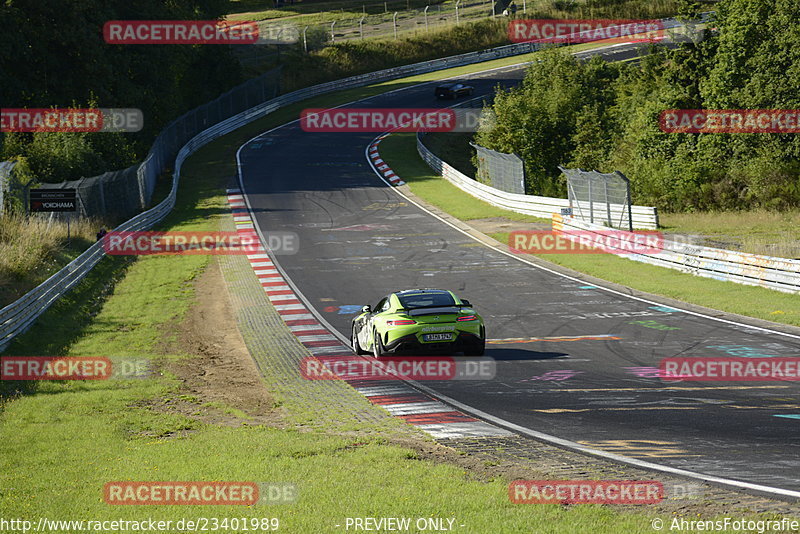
(327, 61)
(349, 58)
(52, 54)
(605, 116)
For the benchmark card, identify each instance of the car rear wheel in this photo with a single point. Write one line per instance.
(377, 345)
(355, 344)
(477, 350)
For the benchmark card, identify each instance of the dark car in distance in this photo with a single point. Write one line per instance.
(453, 90)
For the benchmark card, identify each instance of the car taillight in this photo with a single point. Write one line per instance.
(468, 318)
(400, 322)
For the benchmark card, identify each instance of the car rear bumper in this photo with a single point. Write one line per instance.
(410, 345)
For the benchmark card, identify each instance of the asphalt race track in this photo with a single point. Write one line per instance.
(360, 240)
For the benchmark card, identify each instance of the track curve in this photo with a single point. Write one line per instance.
(360, 239)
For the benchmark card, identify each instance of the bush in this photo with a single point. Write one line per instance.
(55, 157)
(593, 115)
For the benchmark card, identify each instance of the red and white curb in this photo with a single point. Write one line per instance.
(381, 165)
(398, 398)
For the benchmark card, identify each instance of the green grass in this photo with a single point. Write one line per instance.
(264, 9)
(32, 250)
(454, 148)
(336, 477)
(727, 296)
(380, 49)
(769, 233)
(399, 152)
(62, 441)
(401, 149)
(353, 57)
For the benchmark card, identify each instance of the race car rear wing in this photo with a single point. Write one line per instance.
(435, 310)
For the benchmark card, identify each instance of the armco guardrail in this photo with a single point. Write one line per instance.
(20, 315)
(643, 216)
(774, 273)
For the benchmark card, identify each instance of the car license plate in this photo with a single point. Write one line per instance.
(437, 337)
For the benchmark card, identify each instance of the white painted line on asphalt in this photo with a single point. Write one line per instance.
(372, 391)
(280, 298)
(303, 327)
(328, 350)
(288, 307)
(473, 411)
(320, 337)
(297, 316)
(476, 429)
(413, 408)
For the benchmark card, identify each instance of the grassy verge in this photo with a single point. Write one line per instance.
(266, 10)
(399, 152)
(350, 58)
(771, 233)
(401, 149)
(28, 257)
(329, 61)
(454, 148)
(263, 10)
(64, 440)
(31, 250)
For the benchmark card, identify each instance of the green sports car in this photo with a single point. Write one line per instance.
(419, 321)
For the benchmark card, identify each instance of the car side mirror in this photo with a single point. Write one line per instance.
(465, 302)
(366, 309)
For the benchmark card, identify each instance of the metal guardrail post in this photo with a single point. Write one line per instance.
(178, 145)
(628, 201)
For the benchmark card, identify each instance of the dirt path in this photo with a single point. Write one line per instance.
(222, 372)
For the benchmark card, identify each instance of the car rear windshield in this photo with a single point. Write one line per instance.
(421, 300)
